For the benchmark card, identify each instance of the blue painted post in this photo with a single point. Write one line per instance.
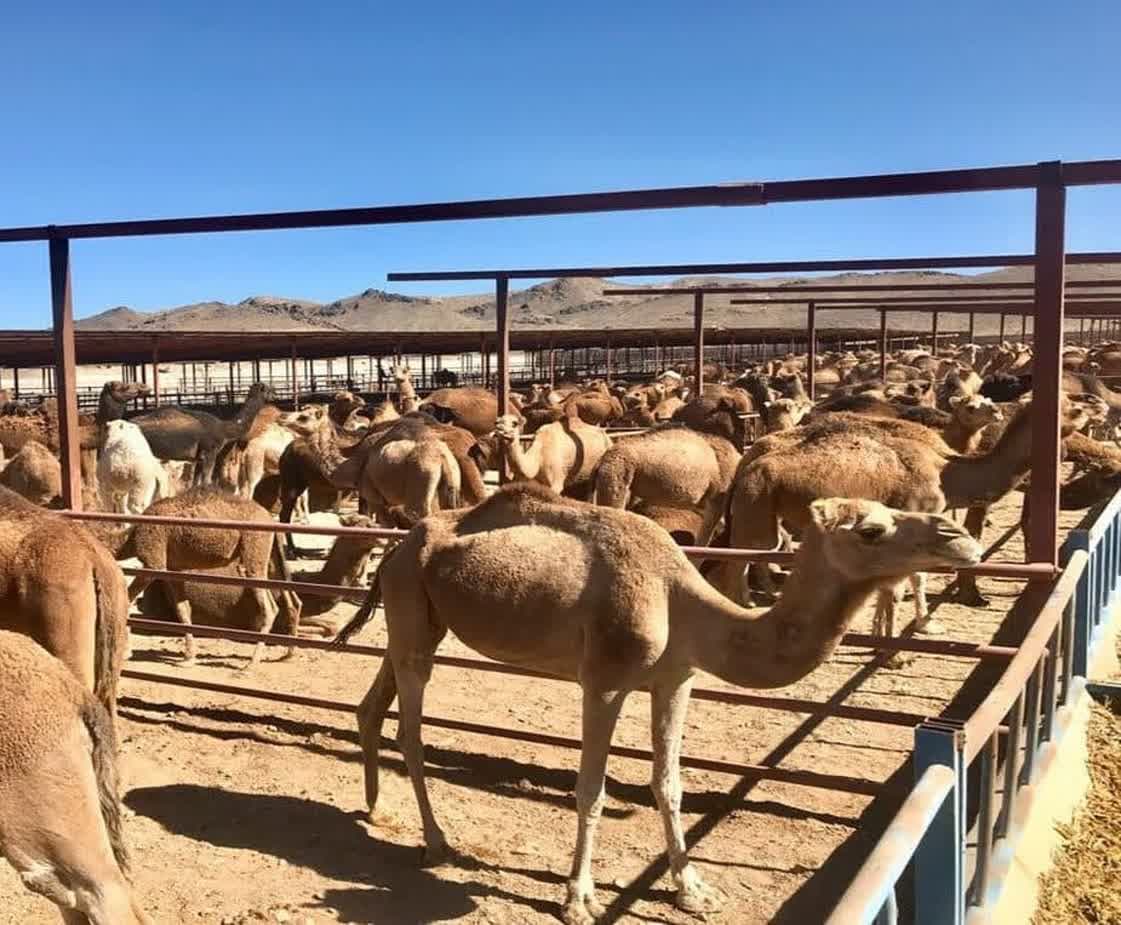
(1086, 598)
(940, 859)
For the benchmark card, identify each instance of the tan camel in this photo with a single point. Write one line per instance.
(470, 407)
(406, 394)
(605, 597)
(669, 467)
(60, 586)
(875, 458)
(34, 473)
(60, 812)
(185, 547)
(221, 605)
(564, 454)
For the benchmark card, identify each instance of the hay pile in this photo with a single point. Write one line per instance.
(1085, 883)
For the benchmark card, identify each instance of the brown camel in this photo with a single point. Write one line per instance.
(185, 547)
(470, 407)
(406, 394)
(60, 812)
(563, 455)
(60, 586)
(34, 472)
(875, 458)
(606, 598)
(221, 605)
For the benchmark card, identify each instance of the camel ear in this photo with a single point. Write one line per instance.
(830, 514)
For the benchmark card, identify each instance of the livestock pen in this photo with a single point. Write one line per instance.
(1033, 655)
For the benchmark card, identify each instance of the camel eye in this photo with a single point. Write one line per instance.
(871, 532)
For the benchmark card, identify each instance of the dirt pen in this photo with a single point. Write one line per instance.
(263, 827)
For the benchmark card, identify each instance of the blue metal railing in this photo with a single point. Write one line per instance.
(1027, 710)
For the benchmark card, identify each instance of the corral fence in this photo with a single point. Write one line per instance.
(1008, 742)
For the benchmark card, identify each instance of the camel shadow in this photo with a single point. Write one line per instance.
(324, 839)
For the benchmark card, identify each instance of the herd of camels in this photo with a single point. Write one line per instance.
(572, 567)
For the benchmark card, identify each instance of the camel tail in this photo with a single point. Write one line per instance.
(366, 611)
(109, 634)
(99, 725)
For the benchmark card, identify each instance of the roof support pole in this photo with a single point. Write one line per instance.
(811, 352)
(1002, 327)
(883, 346)
(156, 371)
(1050, 268)
(502, 331)
(972, 326)
(934, 333)
(699, 341)
(294, 377)
(65, 374)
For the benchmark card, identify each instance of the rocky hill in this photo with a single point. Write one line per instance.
(558, 303)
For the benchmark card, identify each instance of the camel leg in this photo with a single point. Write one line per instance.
(371, 716)
(601, 711)
(183, 615)
(967, 591)
(888, 601)
(412, 675)
(923, 622)
(668, 706)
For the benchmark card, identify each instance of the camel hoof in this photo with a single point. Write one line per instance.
(699, 898)
(931, 628)
(971, 597)
(436, 854)
(899, 660)
(581, 910)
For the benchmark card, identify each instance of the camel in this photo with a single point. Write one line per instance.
(128, 473)
(406, 394)
(894, 462)
(409, 471)
(184, 547)
(35, 473)
(615, 604)
(784, 414)
(60, 811)
(470, 407)
(669, 467)
(175, 433)
(60, 586)
(222, 605)
(594, 406)
(563, 455)
(111, 406)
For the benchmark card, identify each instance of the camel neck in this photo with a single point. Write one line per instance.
(524, 464)
(974, 479)
(960, 437)
(775, 647)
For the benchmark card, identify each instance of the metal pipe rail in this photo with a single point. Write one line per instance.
(788, 704)
(1029, 571)
(873, 888)
(797, 776)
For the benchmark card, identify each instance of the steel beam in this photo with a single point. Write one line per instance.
(66, 374)
(1050, 244)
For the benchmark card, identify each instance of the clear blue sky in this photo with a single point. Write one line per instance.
(126, 110)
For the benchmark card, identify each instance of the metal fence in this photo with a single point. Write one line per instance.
(1002, 744)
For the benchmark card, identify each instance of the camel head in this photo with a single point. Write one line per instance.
(261, 391)
(305, 422)
(975, 411)
(866, 540)
(123, 430)
(124, 391)
(1095, 408)
(507, 428)
(358, 544)
(401, 373)
(1075, 413)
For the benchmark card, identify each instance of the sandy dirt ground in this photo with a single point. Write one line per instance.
(242, 811)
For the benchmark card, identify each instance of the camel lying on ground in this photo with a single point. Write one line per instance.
(563, 455)
(186, 547)
(605, 597)
(238, 608)
(60, 586)
(34, 473)
(60, 811)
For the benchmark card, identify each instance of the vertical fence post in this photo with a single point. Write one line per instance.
(1085, 603)
(934, 333)
(811, 351)
(883, 346)
(1050, 257)
(699, 340)
(62, 309)
(940, 858)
